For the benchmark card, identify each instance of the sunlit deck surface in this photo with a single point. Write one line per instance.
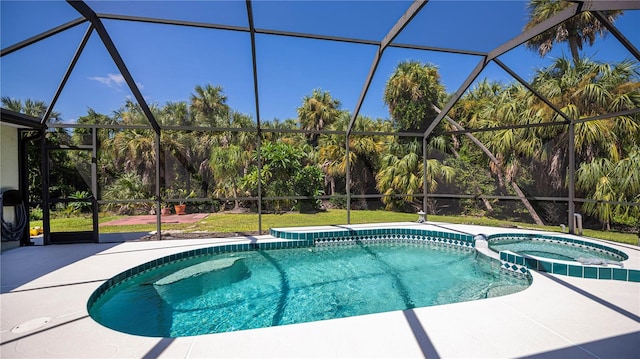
(557, 317)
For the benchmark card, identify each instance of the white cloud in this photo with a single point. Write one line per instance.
(111, 80)
(114, 81)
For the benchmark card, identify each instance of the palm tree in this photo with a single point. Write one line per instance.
(318, 111)
(136, 153)
(228, 164)
(606, 180)
(285, 133)
(364, 154)
(128, 186)
(175, 114)
(182, 147)
(578, 30)
(209, 105)
(30, 107)
(230, 153)
(402, 173)
(581, 90)
(135, 148)
(489, 105)
(130, 113)
(409, 93)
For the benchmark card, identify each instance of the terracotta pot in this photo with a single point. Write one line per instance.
(181, 209)
(165, 211)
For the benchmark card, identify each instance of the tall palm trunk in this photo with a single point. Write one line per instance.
(492, 157)
(573, 46)
(236, 202)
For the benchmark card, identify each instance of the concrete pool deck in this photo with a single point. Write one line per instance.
(45, 291)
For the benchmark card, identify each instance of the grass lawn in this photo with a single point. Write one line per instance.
(248, 223)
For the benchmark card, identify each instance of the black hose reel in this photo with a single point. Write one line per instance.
(13, 231)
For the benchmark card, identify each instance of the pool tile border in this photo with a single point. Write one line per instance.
(346, 236)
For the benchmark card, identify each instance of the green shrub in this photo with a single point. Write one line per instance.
(35, 214)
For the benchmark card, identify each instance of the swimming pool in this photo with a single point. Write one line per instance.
(221, 292)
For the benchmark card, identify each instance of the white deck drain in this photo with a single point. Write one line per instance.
(30, 325)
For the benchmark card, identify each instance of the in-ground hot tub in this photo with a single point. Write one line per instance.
(557, 248)
(561, 255)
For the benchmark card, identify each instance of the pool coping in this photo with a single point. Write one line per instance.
(556, 316)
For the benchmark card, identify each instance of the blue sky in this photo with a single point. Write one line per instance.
(167, 62)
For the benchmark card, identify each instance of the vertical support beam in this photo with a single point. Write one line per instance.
(348, 178)
(258, 148)
(408, 15)
(572, 177)
(425, 184)
(44, 180)
(252, 32)
(158, 199)
(94, 183)
(23, 180)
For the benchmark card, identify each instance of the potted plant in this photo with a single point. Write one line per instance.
(181, 207)
(166, 209)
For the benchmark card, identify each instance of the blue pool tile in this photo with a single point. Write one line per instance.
(604, 273)
(591, 272)
(575, 271)
(559, 268)
(620, 274)
(531, 263)
(634, 275)
(544, 266)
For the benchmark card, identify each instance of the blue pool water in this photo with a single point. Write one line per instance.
(254, 289)
(550, 250)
